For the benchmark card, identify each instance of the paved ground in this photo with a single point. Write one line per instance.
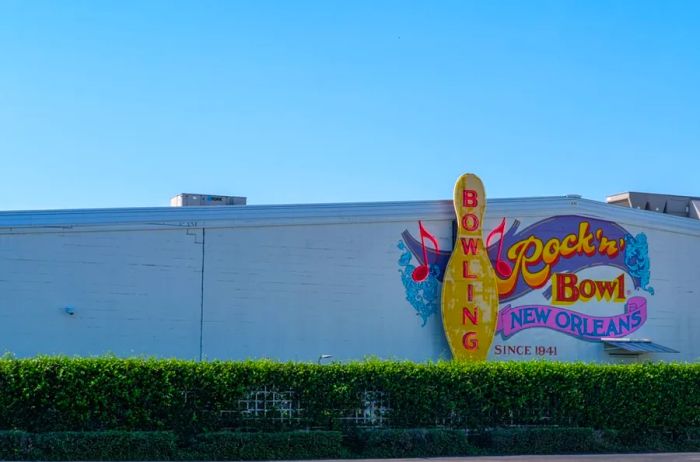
(658, 457)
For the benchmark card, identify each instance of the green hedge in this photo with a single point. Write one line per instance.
(393, 443)
(545, 440)
(357, 443)
(628, 441)
(121, 445)
(60, 394)
(110, 445)
(267, 446)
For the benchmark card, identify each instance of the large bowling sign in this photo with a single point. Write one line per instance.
(469, 287)
(517, 279)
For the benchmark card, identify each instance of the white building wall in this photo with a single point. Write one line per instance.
(132, 293)
(287, 283)
(674, 310)
(297, 292)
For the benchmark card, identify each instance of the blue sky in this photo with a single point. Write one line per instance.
(112, 104)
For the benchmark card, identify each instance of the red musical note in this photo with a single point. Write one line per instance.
(502, 267)
(421, 272)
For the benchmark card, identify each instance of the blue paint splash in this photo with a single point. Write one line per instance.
(424, 296)
(637, 260)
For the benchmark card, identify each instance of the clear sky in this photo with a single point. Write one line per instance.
(127, 103)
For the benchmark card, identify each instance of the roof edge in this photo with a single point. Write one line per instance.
(353, 212)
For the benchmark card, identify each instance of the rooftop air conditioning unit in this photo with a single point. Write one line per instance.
(198, 200)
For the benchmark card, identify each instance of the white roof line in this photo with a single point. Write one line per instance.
(297, 214)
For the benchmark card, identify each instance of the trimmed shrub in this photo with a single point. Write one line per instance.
(396, 443)
(109, 445)
(544, 440)
(15, 445)
(650, 441)
(60, 394)
(693, 434)
(267, 446)
(365, 443)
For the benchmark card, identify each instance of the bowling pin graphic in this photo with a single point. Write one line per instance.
(469, 288)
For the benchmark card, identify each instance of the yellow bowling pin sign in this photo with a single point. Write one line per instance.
(469, 288)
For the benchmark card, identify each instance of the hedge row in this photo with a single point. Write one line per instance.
(562, 440)
(111, 445)
(61, 394)
(377, 443)
(393, 443)
(266, 446)
(120, 445)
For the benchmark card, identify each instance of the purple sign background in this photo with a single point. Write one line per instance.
(556, 227)
(512, 320)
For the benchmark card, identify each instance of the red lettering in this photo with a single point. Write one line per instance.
(472, 316)
(469, 246)
(470, 292)
(621, 287)
(465, 271)
(469, 198)
(466, 222)
(606, 288)
(587, 288)
(566, 288)
(469, 342)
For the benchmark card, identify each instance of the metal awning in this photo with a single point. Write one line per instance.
(626, 346)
